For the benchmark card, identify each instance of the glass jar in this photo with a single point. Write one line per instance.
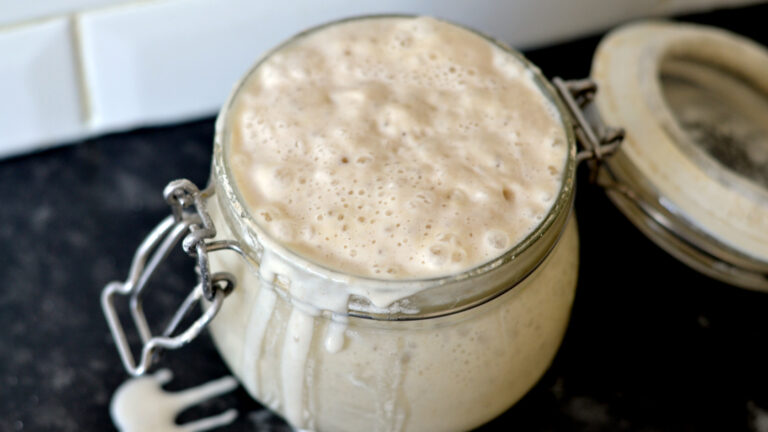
(453, 355)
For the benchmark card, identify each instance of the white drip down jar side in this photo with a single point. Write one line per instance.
(330, 351)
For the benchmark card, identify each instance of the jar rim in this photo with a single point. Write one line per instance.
(553, 222)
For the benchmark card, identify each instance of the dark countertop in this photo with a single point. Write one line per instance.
(652, 345)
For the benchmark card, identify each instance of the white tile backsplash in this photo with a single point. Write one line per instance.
(170, 60)
(39, 86)
(145, 62)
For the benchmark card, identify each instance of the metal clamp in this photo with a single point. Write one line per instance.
(598, 141)
(190, 221)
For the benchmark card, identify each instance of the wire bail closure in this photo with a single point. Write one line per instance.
(598, 141)
(191, 222)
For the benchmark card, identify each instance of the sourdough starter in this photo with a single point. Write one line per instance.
(390, 149)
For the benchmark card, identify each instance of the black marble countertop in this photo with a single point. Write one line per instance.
(652, 345)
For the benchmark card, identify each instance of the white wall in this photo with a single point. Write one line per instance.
(75, 68)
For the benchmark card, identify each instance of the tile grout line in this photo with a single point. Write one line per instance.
(86, 104)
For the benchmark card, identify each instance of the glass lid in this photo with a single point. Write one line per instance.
(724, 120)
(692, 172)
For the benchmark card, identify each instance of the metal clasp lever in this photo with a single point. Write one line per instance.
(598, 141)
(189, 221)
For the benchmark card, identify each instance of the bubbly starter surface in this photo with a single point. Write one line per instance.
(396, 148)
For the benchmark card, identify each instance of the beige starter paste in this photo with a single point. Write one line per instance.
(392, 149)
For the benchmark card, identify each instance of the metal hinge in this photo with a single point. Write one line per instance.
(597, 140)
